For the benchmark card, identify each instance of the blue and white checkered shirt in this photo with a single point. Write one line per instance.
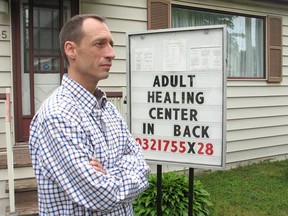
(70, 128)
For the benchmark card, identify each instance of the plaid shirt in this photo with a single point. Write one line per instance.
(70, 128)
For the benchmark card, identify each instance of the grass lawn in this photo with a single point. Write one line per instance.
(252, 190)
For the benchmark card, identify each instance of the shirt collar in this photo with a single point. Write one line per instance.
(88, 101)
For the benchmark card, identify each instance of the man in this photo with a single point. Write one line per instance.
(86, 161)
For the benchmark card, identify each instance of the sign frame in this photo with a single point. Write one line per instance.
(130, 51)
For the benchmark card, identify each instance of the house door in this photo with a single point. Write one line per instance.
(38, 65)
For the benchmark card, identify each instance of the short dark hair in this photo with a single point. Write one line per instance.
(72, 30)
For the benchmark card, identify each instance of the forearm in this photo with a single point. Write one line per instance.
(133, 173)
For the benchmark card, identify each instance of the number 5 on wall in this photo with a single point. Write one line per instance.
(4, 34)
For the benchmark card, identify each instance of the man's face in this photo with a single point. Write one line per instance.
(94, 54)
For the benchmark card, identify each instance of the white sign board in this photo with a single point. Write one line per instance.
(177, 96)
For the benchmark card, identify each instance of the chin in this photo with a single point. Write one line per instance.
(104, 76)
(107, 75)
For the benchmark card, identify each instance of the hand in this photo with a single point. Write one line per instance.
(97, 165)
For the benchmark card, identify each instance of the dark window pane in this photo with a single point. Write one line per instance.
(36, 37)
(55, 19)
(45, 18)
(45, 38)
(35, 17)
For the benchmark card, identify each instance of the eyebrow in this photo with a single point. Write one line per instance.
(102, 39)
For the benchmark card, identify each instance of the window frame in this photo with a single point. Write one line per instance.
(272, 72)
(22, 121)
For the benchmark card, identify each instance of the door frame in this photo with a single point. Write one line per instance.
(21, 122)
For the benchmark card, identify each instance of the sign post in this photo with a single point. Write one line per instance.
(177, 95)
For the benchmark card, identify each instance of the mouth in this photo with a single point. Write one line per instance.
(108, 65)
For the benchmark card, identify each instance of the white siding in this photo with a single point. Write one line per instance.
(263, 142)
(5, 78)
(260, 153)
(238, 113)
(5, 81)
(5, 70)
(116, 11)
(5, 48)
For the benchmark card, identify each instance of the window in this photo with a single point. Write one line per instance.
(245, 39)
(46, 54)
(247, 47)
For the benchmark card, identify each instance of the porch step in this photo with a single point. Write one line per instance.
(25, 209)
(21, 157)
(26, 201)
(23, 185)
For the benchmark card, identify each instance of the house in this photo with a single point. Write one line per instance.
(257, 77)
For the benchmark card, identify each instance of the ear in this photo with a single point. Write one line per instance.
(69, 48)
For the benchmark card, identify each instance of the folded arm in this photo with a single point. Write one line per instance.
(64, 159)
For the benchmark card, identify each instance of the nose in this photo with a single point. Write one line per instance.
(110, 53)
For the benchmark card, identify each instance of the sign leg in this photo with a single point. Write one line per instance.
(191, 191)
(159, 190)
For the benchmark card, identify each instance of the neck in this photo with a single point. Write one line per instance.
(83, 80)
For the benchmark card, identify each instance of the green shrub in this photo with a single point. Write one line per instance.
(175, 191)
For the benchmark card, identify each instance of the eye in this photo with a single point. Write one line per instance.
(99, 44)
